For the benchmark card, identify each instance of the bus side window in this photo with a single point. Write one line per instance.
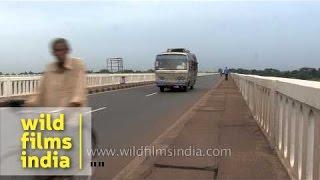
(195, 62)
(192, 65)
(191, 62)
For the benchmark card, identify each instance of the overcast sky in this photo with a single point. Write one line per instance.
(282, 35)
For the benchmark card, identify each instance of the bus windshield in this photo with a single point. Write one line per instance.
(171, 62)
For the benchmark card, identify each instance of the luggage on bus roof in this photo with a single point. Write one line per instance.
(178, 50)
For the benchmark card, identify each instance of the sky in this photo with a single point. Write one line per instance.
(283, 35)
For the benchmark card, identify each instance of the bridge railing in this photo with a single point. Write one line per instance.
(288, 112)
(96, 80)
(11, 86)
(22, 85)
(16, 86)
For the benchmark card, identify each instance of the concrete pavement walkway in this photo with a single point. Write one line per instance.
(222, 122)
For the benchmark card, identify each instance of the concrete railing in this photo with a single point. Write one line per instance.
(13, 86)
(96, 80)
(17, 86)
(22, 85)
(288, 112)
(206, 73)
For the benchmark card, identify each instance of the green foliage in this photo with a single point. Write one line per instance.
(150, 71)
(104, 71)
(302, 73)
(127, 71)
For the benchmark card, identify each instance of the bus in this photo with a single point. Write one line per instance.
(176, 68)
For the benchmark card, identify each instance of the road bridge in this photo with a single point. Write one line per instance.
(271, 125)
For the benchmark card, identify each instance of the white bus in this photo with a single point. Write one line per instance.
(176, 68)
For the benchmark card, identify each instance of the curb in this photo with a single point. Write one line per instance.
(117, 86)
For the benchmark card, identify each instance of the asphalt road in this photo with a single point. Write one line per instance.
(136, 116)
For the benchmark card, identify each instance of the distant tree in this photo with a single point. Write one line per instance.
(104, 71)
(23, 73)
(270, 72)
(127, 71)
(302, 73)
(150, 71)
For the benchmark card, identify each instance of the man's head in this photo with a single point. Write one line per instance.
(60, 49)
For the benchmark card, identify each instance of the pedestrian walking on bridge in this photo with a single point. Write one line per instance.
(63, 82)
(226, 73)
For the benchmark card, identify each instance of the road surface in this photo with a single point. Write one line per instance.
(136, 116)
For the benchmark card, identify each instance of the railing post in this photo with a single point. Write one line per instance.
(273, 114)
(316, 158)
(8, 88)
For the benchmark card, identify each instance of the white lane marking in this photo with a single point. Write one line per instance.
(151, 94)
(59, 110)
(99, 109)
(55, 111)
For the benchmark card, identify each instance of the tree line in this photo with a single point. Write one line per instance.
(305, 73)
(88, 71)
(123, 71)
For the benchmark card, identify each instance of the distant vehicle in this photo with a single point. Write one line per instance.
(176, 68)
